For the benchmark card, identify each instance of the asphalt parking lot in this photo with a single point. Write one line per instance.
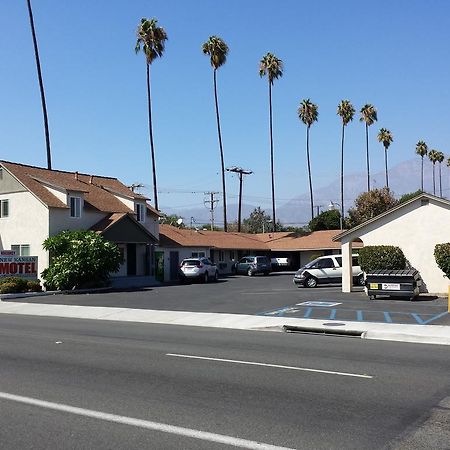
(274, 295)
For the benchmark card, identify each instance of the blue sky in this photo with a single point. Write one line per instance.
(393, 54)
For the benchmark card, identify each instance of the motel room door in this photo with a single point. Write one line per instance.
(131, 259)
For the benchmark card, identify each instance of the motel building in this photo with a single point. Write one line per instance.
(36, 203)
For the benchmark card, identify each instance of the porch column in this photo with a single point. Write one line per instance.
(347, 276)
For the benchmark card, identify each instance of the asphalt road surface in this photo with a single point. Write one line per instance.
(272, 295)
(76, 384)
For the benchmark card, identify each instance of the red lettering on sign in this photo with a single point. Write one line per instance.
(4, 268)
(20, 265)
(33, 267)
(27, 267)
(13, 268)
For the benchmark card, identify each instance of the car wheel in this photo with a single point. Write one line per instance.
(360, 280)
(216, 276)
(311, 282)
(249, 272)
(205, 279)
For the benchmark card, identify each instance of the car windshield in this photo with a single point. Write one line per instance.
(191, 262)
(311, 264)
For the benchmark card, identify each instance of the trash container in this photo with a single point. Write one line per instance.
(393, 283)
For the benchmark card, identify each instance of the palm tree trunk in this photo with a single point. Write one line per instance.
(434, 184)
(41, 86)
(440, 181)
(309, 173)
(274, 223)
(386, 167)
(240, 201)
(367, 157)
(150, 128)
(342, 177)
(422, 173)
(221, 153)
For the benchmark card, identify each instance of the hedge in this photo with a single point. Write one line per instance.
(15, 285)
(442, 257)
(381, 257)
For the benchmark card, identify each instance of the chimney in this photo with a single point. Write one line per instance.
(91, 179)
(76, 176)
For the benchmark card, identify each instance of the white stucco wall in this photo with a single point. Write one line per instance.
(28, 223)
(416, 230)
(60, 220)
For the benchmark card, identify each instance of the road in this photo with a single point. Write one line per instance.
(167, 387)
(272, 295)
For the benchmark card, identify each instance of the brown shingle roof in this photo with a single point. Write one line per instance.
(97, 189)
(284, 241)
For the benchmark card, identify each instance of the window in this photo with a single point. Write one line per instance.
(140, 212)
(355, 261)
(75, 207)
(221, 255)
(326, 263)
(339, 260)
(232, 255)
(4, 208)
(198, 254)
(1, 173)
(21, 249)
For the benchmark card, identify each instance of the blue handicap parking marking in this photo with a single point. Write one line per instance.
(420, 321)
(319, 303)
(323, 311)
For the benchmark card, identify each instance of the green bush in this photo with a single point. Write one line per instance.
(13, 285)
(442, 257)
(34, 286)
(381, 257)
(79, 259)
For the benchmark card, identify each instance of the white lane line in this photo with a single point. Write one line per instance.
(171, 429)
(277, 366)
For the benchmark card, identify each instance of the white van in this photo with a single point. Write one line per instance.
(327, 269)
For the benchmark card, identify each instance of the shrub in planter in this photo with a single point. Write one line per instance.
(34, 286)
(381, 257)
(13, 285)
(442, 257)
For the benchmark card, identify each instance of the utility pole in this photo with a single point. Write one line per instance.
(241, 173)
(210, 202)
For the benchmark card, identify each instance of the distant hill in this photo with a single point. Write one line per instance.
(403, 178)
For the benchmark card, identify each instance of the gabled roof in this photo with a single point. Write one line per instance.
(423, 196)
(171, 236)
(98, 190)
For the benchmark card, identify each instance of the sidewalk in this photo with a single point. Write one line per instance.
(425, 334)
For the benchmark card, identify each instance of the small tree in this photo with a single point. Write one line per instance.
(370, 204)
(405, 197)
(442, 257)
(258, 222)
(80, 258)
(327, 220)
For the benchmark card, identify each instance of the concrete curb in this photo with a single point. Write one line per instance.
(424, 334)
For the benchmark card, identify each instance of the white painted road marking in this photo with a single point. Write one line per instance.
(277, 366)
(171, 429)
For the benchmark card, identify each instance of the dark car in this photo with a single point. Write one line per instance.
(251, 265)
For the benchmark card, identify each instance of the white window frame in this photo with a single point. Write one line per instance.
(20, 249)
(74, 211)
(2, 208)
(140, 212)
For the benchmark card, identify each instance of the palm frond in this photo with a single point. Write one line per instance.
(271, 66)
(385, 137)
(346, 111)
(308, 112)
(151, 39)
(217, 50)
(368, 114)
(421, 148)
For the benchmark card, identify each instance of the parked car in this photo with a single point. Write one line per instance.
(251, 265)
(201, 269)
(327, 269)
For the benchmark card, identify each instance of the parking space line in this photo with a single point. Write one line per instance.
(359, 316)
(332, 314)
(307, 313)
(276, 366)
(387, 317)
(140, 423)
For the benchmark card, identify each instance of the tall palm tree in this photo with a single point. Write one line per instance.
(217, 50)
(308, 113)
(151, 39)
(346, 111)
(433, 157)
(421, 150)
(41, 86)
(369, 116)
(271, 66)
(386, 138)
(440, 158)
